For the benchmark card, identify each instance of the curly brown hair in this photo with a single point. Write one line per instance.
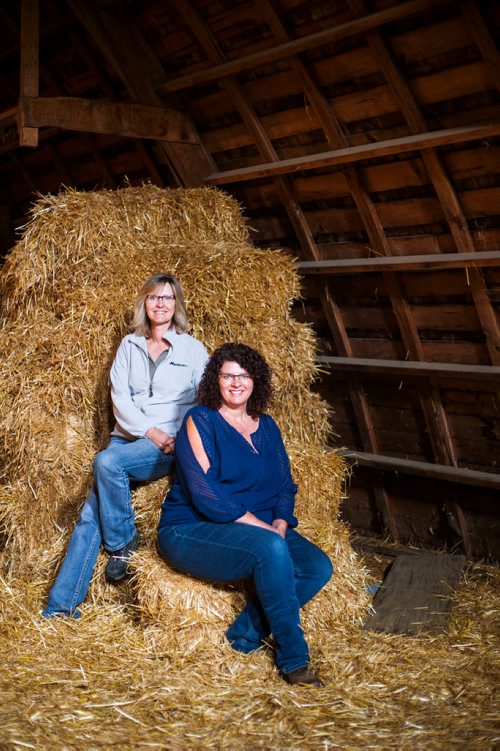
(250, 360)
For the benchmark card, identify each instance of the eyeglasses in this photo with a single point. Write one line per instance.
(241, 377)
(163, 298)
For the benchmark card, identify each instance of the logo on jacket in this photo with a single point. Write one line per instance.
(179, 364)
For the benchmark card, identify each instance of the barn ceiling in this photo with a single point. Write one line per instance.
(361, 136)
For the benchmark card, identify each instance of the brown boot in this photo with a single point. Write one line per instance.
(303, 676)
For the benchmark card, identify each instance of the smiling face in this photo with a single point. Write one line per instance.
(159, 311)
(234, 391)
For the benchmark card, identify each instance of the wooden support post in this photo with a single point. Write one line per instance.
(30, 16)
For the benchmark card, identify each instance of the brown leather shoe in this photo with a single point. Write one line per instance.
(303, 676)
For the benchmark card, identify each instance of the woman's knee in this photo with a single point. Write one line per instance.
(104, 462)
(276, 551)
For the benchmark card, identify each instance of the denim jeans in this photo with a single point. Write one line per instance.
(107, 517)
(286, 574)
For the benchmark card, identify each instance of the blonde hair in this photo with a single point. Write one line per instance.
(140, 323)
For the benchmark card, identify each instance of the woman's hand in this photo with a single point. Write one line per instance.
(254, 521)
(162, 440)
(281, 526)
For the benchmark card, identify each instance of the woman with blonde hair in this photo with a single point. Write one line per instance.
(154, 380)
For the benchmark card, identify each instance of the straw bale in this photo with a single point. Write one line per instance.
(147, 664)
(78, 237)
(198, 611)
(67, 291)
(66, 302)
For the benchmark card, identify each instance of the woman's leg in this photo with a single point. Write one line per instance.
(312, 570)
(228, 552)
(114, 468)
(73, 578)
(107, 516)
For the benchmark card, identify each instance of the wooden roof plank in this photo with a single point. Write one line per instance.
(351, 154)
(287, 49)
(429, 262)
(411, 368)
(416, 594)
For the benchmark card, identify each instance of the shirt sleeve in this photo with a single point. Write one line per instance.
(129, 417)
(200, 365)
(284, 506)
(208, 495)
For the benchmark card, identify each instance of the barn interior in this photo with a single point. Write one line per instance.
(359, 139)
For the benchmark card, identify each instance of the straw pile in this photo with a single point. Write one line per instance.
(147, 664)
(67, 290)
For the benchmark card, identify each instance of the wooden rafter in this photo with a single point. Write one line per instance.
(411, 369)
(263, 143)
(429, 262)
(425, 469)
(288, 49)
(352, 154)
(140, 70)
(30, 13)
(334, 135)
(96, 116)
(437, 173)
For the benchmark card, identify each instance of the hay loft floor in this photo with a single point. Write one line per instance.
(106, 681)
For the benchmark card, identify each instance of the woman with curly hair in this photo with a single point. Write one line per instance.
(229, 514)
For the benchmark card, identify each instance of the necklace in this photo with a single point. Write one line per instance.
(245, 432)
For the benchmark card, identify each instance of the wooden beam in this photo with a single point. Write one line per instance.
(266, 149)
(445, 191)
(442, 472)
(97, 116)
(419, 141)
(29, 78)
(411, 368)
(281, 51)
(431, 262)
(113, 30)
(484, 40)
(9, 117)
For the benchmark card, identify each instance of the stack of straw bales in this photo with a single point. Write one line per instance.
(67, 292)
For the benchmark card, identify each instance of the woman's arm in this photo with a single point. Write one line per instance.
(127, 415)
(284, 507)
(197, 445)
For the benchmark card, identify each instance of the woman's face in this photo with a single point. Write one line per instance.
(159, 310)
(235, 384)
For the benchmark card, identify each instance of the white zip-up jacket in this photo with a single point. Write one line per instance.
(140, 403)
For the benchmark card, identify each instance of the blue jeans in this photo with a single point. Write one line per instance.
(286, 574)
(106, 517)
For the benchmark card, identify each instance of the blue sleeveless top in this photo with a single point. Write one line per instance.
(241, 477)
